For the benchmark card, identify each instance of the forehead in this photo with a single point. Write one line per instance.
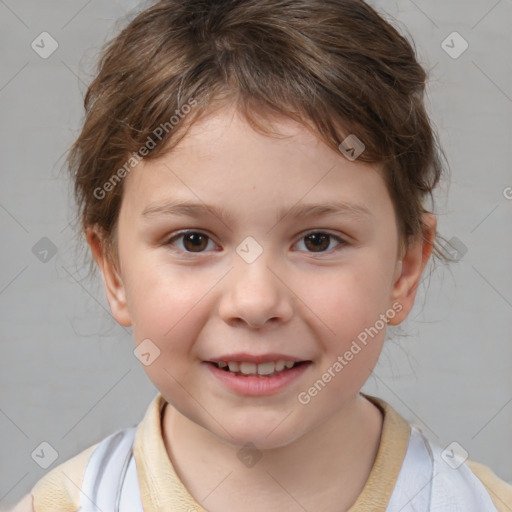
(227, 129)
(223, 154)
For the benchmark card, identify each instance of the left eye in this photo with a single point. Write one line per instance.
(196, 241)
(320, 240)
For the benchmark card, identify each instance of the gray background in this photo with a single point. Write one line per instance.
(68, 375)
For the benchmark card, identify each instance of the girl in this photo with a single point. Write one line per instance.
(251, 178)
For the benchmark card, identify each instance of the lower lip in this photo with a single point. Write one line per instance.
(258, 386)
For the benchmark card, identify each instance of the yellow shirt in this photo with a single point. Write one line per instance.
(162, 490)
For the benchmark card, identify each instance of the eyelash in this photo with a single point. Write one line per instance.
(183, 233)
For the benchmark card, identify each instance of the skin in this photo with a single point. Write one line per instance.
(292, 299)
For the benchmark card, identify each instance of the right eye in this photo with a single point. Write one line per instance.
(193, 241)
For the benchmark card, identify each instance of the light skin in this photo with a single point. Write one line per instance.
(197, 302)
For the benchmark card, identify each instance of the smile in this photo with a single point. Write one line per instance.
(266, 369)
(257, 379)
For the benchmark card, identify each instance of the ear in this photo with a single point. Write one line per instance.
(410, 269)
(114, 286)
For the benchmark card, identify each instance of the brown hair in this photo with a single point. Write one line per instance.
(334, 65)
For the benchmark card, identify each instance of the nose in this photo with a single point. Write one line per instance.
(256, 294)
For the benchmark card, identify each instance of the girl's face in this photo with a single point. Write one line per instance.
(244, 277)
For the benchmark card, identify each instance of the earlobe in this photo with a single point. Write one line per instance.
(410, 268)
(114, 286)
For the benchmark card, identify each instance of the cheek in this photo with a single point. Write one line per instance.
(165, 304)
(347, 299)
(167, 309)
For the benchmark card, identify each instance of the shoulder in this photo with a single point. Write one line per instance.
(461, 481)
(60, 488)
(499, 490)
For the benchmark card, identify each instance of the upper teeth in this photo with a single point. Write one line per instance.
(252, 368)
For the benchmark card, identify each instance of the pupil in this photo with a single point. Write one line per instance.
(319, 240)
(195, 238)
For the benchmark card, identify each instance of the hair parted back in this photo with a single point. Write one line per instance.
(334, 65)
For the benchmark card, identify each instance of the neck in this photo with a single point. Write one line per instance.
(326, 467)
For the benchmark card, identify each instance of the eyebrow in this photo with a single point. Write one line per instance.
(299, 210)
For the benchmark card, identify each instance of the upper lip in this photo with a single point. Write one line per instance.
(256, 359)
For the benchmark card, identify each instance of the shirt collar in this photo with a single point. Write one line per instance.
(161, 488)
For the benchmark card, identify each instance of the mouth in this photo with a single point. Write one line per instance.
(257, 375)
(262, 370)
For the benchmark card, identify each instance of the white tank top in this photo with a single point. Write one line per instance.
(426, 483)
